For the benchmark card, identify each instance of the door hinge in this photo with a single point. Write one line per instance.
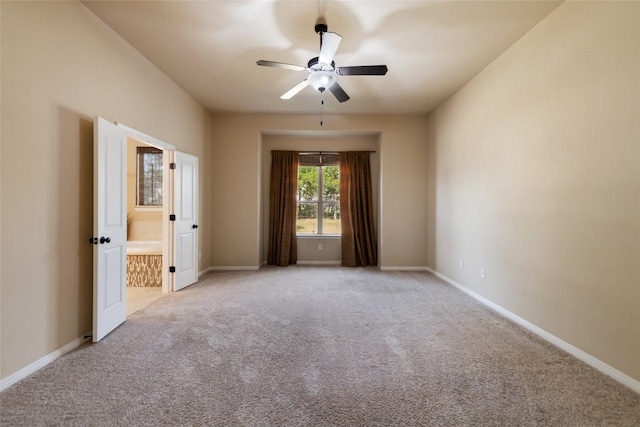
(172, 165)
(172, 269)
(172, 217)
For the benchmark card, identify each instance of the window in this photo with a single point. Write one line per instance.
(318, 194)
(149, 176)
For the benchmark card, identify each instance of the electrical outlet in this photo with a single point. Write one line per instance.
(483, 273)
(319, 246)
(461, 264)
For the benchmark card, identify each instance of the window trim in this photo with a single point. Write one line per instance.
(320, 203)
(311, 236)
(140, 152)
(145, 208)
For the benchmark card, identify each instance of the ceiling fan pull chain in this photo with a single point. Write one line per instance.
(321, 111)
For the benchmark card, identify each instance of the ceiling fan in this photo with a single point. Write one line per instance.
(322, 69)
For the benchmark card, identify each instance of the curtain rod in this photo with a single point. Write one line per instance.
(330, 152)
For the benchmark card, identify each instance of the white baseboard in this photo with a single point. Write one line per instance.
(42, 362)
(319, 262)
(233, 268)
(403, 268)
(590, 360)
(205, 271)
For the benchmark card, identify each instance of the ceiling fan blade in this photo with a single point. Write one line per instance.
(362, 70)
(293, 91)
(330, 43)
(339, 93)
(280, 65)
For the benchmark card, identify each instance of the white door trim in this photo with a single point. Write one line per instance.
(158, 143)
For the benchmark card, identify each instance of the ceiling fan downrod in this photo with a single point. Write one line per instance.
(321, 29)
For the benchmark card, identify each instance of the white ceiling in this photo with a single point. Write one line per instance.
(210, 48)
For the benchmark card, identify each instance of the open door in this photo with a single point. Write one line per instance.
(109, 227)
(185, 233)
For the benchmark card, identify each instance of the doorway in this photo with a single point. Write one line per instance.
(179, 222)
(145, 216)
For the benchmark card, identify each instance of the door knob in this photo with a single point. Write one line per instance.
(194, 226)
(104, 240)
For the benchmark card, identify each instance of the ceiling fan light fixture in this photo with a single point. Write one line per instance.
(322, 80)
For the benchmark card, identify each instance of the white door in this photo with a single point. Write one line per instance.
(109, 227)
(185, 236)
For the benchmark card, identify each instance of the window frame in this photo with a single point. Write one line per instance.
(140, 153)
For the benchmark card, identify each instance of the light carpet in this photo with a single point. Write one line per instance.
(324, 346)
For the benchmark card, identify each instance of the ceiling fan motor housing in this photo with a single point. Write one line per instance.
(316, 65)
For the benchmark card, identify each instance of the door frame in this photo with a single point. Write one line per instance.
(167, 189)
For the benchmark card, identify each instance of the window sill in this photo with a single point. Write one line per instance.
(148, 209)
(318, 236)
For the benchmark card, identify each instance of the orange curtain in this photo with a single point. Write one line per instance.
(359, 246)
(283, 247)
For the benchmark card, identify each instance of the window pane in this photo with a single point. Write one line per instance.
(331, 183)
(307, 221)
(149, 177)
(307, 183)
(331, 218)
(311, 205)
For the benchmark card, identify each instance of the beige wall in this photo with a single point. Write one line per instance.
(238, 150)
(61, 66)
(535, 176)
